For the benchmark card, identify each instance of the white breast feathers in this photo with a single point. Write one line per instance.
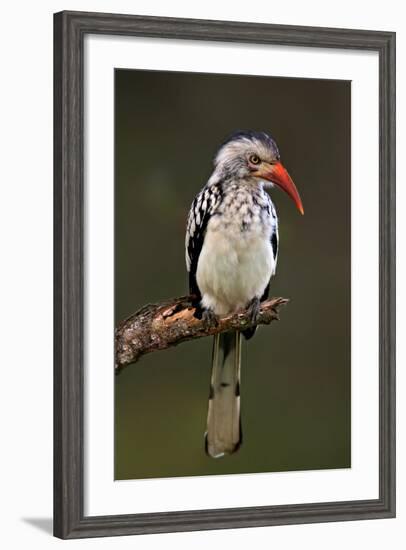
(237, 260)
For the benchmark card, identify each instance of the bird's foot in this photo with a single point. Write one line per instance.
(198, 313)
(210, 318)
(253, 310)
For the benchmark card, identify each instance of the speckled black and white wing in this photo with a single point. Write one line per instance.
(274, 244)
(203, 208)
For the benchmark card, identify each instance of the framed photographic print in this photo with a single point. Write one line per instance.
(211, 178)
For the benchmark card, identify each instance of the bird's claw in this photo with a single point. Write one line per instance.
(210, 318)
(253, 310)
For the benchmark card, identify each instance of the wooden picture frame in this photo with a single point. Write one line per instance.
(69, 518)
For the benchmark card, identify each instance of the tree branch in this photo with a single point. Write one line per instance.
(160, 326)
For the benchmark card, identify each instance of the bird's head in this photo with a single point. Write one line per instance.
(255, 155)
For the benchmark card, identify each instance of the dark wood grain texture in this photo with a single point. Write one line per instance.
(69, 519)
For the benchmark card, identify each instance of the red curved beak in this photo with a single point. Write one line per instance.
(276, 173)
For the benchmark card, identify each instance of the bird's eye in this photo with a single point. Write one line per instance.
(254, 159)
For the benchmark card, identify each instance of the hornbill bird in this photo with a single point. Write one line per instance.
(231, 253)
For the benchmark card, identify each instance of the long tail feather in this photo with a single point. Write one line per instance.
(223, 434)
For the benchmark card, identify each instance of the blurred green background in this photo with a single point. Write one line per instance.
(295, 393)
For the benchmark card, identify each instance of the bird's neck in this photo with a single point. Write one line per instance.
(232, 181)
